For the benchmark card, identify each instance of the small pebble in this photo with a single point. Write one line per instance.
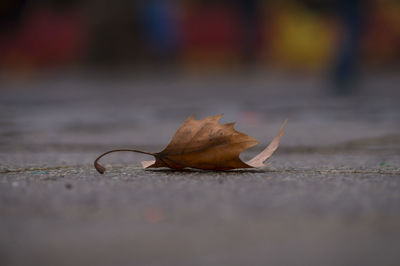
(15, 184)
(68, 185)
(38, 172)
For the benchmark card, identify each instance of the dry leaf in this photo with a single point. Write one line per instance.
(206, 144)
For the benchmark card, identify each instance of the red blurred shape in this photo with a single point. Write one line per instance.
(210, 33)
(46, 38)
(153, 215)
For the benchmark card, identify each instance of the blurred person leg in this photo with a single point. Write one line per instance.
(11, 12)
(344, 73)
(11, 22)
(249, 11)
(160, 29)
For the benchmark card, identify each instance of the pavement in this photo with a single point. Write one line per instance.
(329, 196)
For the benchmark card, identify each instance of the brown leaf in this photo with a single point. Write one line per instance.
(206, 144)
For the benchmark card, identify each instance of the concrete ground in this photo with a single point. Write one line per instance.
(330, 196)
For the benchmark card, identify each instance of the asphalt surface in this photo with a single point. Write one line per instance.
(330, 195)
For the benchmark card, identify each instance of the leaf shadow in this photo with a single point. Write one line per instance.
(193, 170)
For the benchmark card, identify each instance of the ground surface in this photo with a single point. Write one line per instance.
(331, 195)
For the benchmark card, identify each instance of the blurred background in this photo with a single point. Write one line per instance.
(290, 35)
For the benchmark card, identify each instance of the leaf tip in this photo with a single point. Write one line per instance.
(216, 117)
(230, 125)
(258, 161)
(147, 164)
(283, 126)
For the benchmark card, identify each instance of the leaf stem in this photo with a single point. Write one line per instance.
(101, 169)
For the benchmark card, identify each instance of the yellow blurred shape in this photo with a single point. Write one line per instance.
(300, 39)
